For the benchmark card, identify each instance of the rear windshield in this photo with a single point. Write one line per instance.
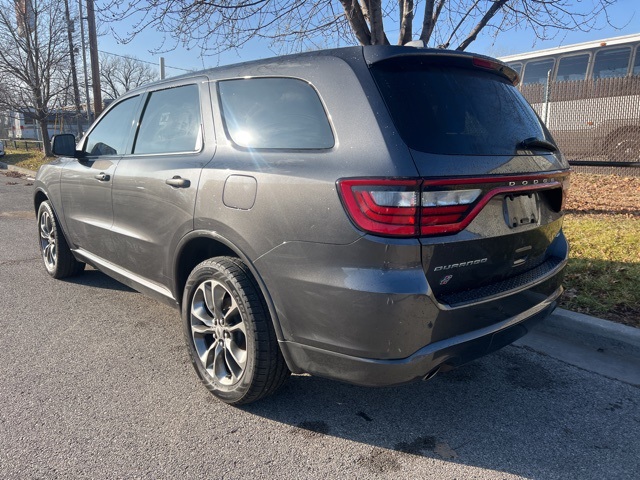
(453, 110)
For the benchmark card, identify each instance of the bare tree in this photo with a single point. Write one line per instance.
(215, 26)
(121, 74)
(33, 58)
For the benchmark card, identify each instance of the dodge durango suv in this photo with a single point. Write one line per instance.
(369, 214)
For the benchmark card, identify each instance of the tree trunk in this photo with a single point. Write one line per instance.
(406, 21)
(44, 131)
(430, 19)
(357, 21)
(378, 36)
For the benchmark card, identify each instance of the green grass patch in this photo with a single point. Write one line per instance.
(31, 159)
(603, 275)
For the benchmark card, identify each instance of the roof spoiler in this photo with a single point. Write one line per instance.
(379, 53)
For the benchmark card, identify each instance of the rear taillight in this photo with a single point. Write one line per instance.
(417, 207)
(385, 207)
(445, 207)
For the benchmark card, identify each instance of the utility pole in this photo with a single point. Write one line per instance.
(84, 63)
(95, 61)
(74, 74)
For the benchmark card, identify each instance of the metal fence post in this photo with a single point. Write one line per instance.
(546, 98)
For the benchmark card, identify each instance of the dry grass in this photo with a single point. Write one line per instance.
(31, 159)
(603, 228)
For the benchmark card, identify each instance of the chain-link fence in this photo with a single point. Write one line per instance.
(596, 123)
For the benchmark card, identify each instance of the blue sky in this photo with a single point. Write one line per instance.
(624, 14)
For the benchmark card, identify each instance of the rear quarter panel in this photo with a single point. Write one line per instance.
(296, 197)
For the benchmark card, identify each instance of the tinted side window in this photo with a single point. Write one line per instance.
(572, 68)
(274, 113)
(536, 71)
(612, 63)
(170, 122)
(110, 136)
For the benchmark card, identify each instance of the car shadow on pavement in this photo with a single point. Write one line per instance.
(513, 411)
(95, 278)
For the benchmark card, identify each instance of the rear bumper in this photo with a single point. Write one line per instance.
(441, 355)
(364, 313)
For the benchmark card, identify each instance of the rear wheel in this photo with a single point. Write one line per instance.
(229, 334)
(57, 257)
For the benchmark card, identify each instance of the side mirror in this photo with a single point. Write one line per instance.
(64, 145)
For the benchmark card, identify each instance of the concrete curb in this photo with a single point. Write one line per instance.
(593, 331)
(578, 322)
(600, 346)
(13, 168)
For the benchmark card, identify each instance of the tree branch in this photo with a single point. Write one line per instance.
(430, 19)
(497, 5)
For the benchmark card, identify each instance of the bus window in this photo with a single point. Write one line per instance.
(636, 63)
(613, 62)
(536, 71)
(572, 68)
(517, 67)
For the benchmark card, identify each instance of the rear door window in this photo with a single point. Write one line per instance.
(277, 113)
(451, 110)
(170, 122)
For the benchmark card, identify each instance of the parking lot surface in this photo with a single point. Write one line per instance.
(95, 382)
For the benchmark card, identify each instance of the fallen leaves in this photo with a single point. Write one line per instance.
(604, 194)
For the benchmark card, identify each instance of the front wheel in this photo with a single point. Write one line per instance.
(229, 334)
(57, 257)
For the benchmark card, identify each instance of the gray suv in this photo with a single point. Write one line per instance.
(370, 214)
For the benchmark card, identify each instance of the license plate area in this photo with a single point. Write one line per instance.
(521, 210)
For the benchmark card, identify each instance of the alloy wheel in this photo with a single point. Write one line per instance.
(219, 333)
(48, 242)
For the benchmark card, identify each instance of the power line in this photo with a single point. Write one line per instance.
(143, 61)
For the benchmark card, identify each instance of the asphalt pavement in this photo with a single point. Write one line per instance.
(95, 382)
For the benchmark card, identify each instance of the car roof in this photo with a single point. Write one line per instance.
(364, 55)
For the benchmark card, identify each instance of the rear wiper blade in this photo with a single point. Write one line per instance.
(534, 142)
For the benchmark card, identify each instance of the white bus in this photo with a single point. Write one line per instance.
(588, 94)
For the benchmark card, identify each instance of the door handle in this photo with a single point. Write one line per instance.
(178, 182)
(103, 177)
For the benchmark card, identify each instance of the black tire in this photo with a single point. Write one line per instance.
(229, 333)
(56, 255)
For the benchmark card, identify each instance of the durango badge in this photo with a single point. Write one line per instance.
(461, 264)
